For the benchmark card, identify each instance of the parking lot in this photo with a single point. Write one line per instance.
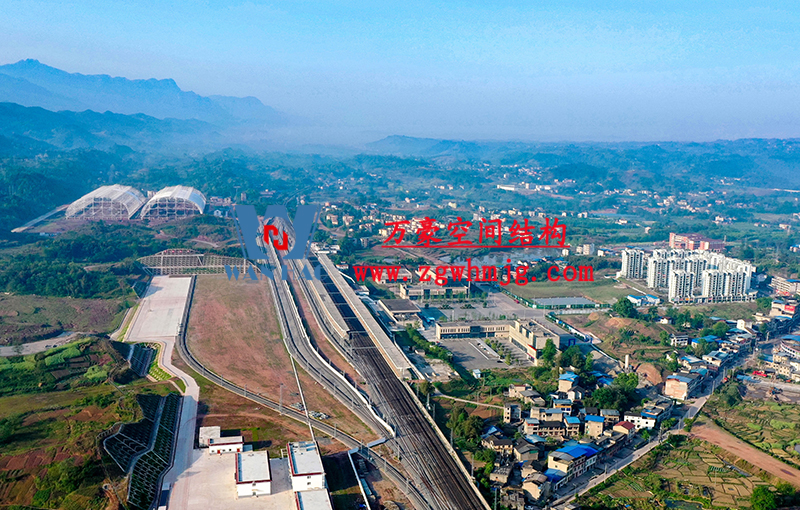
(472, 353)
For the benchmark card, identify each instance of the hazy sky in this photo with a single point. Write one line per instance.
(535, 70)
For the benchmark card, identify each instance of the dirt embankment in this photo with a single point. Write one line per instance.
(715, 435)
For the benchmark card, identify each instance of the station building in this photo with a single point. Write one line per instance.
(305, 466)
(253, 476)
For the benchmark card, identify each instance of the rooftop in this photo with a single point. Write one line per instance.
(226, 440)
(313, 500)
(400, 305)
(304, 458)
(252, 467)
(591, 417)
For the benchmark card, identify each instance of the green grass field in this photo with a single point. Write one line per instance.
(602, 290)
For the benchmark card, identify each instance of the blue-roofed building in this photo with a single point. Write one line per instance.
(566, 381)
(716, 358)
(707, 338)
(594, 425)
(572, 461)
(562, 403)
(573, 425)
(534, 439)
(604, 381)
(690, 361)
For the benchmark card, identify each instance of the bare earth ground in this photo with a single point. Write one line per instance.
(234, 331)
(233, 413)
(649, 373)
(715, 435)
(319, 338)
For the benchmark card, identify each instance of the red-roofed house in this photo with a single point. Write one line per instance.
(625, 427)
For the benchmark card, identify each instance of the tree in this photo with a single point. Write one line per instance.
(549, 352)
(588, 364)
(762, 499)
(625, 308)
(763, 304)
(720, 329)
(425, 388)
(664, 337)
(572, 357)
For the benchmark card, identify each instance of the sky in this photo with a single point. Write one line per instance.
(355, 71)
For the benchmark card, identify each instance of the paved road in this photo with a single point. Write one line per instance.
(793, 388)
(40, 345)
(164, 309)
(694, 407)
(386, 468)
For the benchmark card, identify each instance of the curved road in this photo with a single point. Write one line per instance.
(387, 468)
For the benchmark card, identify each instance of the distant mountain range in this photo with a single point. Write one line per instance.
(31, 83)
(38, 128)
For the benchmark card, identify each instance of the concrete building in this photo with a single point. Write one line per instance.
(536, 486)
(305, 466)
(315, 499)
(785, 286)
(567, 381)
(682, 385)
(694, 242)
(611, 416)
(511, 413)
(680, 286)
(219, 445)
(501, 445)
(253, 476)
(785, 307)
(790, 346)
(501, 473)
(572, 461)
(471, 329)
(625, 427)
(401, 311)
(113, 202)
(207, 433)
(639, 421)
(422, 291)
(594, 425)
(634, 265)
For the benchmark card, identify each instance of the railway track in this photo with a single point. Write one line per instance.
(417, 444)
(382, 464)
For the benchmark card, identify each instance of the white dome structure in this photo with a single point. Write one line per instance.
(107, 203)
(174, 202)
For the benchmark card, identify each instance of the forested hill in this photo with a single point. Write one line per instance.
(758, 162)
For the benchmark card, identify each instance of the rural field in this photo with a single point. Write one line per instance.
(769, 426)
(689, 473)
(234, 331)
(48, 429)
(28, 318)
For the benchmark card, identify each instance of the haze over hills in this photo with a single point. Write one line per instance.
(31, 83)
